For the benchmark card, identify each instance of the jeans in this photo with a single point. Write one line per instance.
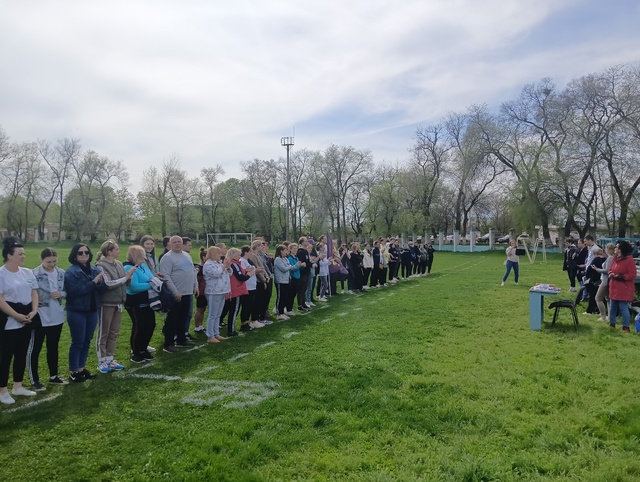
(618, 307)
(511, 264)
(82, 325)
(215, 304)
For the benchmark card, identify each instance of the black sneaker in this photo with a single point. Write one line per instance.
(303, 309)
(77, 377)
(245, 327)
(188, 337)
(87, 374)
(147, 356)
(185, 343)
(233, 333)
(37, 386)
(58, 381)
(170, 349)
(138, 359)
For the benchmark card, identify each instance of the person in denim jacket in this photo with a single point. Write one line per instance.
(51, 292)
(83, 284)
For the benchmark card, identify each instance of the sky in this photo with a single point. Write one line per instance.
(218, 83)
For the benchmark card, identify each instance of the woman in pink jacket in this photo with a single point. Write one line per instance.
(622, 277)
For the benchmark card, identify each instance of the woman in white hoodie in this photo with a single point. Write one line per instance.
(216, 276)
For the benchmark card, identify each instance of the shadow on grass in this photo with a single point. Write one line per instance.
(566, 326)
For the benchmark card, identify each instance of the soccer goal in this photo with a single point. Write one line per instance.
(232, 239)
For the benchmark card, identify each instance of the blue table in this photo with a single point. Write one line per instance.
(536, 307)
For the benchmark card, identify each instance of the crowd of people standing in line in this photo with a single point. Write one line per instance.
(225, 284)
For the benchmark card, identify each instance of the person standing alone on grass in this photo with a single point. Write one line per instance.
(512, 261)
(178, 267)
(569, 265)
(622, 276)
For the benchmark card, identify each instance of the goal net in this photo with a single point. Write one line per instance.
(230, 239)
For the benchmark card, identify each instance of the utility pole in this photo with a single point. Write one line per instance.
(287, 142)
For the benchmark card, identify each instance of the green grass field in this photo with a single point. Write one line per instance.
(436, 378)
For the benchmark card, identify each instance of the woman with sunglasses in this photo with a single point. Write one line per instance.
(83, 284)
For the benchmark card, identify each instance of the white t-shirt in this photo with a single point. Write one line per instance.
(251, 282)
(17, 288)
(54, 313)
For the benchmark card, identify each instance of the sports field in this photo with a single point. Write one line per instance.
(435, 378)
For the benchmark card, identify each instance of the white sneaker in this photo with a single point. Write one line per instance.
(573, 290)
(322, 299)
(256, 324)
(290, 313)
(365, 287)
(283, 317)
(151, 349)
(23, 391)
(342, 292)
(350, 292)
(502, 284)
(6, 398)
(309, 303)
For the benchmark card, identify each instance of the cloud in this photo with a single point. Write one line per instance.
(218, 83)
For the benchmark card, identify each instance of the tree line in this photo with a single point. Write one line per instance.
(554, 155)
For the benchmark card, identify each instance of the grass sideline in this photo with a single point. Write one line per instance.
(436, 378)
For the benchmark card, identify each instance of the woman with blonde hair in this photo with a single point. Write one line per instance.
(143, 318)
(113, 298)
(217, 286)
(602, 295)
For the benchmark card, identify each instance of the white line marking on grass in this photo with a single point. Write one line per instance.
(324, 307)
(242, 394)
(197, 347)
(32, 404)
(326, 320)
(238, 394)
(156, 376)
(124, 373)
(290, 334)
(356, 309)
(265, 345)
(344, 313)
(237, 357)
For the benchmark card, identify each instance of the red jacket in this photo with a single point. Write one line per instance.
(622, 289)
(239, 279)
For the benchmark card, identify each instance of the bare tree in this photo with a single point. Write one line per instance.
(209, 177)
(66, 154)
(259, 190)
(340, 170)
(93, 176)
(430, 153)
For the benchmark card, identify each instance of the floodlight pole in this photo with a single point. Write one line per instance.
(287, 142)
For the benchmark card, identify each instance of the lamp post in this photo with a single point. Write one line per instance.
(287, 142)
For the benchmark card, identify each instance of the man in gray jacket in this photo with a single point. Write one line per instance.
(179, 269)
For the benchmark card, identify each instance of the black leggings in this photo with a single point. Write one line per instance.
(14, 346)
(282, 290)
(143, 321)
(36, 340)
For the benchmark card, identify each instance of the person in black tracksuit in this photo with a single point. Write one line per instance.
(303, 256)
(406, 261)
